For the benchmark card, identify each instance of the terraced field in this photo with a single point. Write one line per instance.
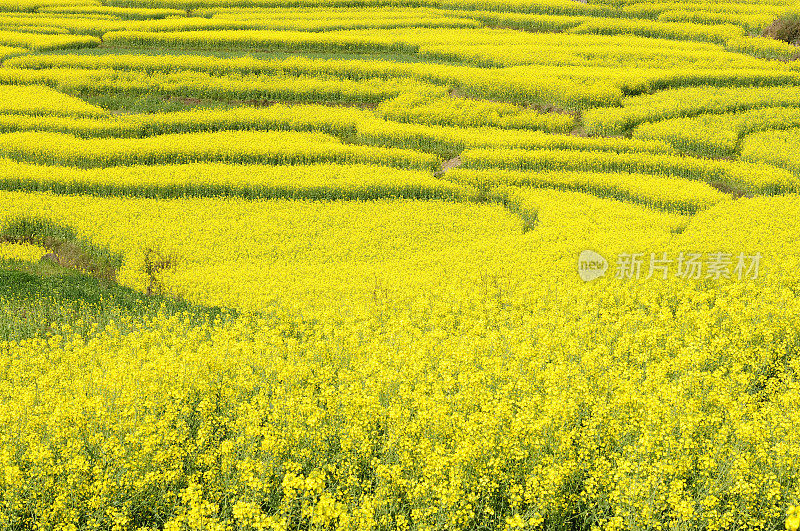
(399, 264)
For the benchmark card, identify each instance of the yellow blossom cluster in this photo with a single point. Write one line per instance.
(22, 251)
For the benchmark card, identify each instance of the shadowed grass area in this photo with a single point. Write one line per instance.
(37, 299)
(786, 29)
(70, 250)
(123, 103)
(233, 52)
(74, 286)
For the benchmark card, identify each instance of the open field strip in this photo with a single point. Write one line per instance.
(452, 140)
(717, 135)
(37, 100)
(719, 34)
(774, 147)
(547, 7)
(657, 192)
(356, 219)
(752, 22)
(433, 109)
(86, 26)
(123, 19)
(322, 19)
(474, 82)
(274, 229)
(265, 147)
(686, 102)
(121, 12)
(753, 177)
(752, 17)
(301, 89)
(43, 41)
(337, 121)
(313, 181)
(351, 124)
(768, 49)
(575, 50)
(31, 5)
(583, 77)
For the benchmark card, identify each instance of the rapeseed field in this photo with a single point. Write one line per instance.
(406, 265)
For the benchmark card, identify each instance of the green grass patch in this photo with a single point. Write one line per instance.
(120, 102)
(234, 52)
(39, 299)
(71, 251)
